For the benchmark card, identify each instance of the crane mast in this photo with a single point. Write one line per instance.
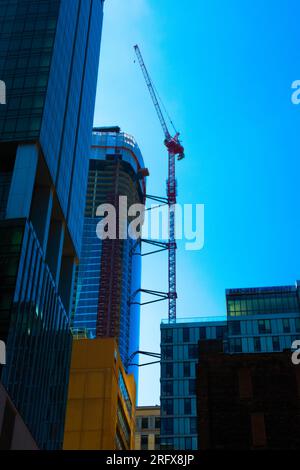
(175, 149)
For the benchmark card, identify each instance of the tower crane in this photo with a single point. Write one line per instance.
(175, 150)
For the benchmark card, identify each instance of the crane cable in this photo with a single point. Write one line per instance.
(162, 103)
(164, 107)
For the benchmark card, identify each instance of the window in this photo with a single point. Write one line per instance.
(193, 351)
(124, 393)
(186, 335)
(166, 444)
(167, 407)
(286, 325)
(167, 426)
(122, 423)
(157, 422)
(144, 442)
(257, 344)
(138, 423)
(276, 343)
(157, 441)
(167, 352)
(193, 426)
(264, 327)
(187, 406)
(234, 328)
(167, 335)
(145, 423)
(167, 388)
(167, 370)
(231, 308)
(235, 345)
(202, 332)
(188, 443)
(219, 332)
(151, 422)
(186, 369)
(192, 387)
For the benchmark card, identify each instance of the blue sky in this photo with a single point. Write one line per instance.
(224, 70)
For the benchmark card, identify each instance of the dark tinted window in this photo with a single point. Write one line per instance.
(186, 335)
(193, 351)
(192, 387)
(186, 369)
(145, 423)
(144, 442)
(187, 406)
(234, 328)
(167, 335)
(202, 332)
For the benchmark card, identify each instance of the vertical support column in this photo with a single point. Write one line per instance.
(172, 190)
(55, 248)
(22, 184)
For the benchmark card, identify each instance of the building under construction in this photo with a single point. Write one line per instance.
(110, 269)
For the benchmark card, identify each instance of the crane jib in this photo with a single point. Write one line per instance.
(174, 148)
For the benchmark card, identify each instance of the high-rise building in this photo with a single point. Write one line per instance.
(109, 274)
(49, 62)
(179, 358)
(147, 434)
(263, 319)
(101, 398)
(258, 320)
(248, 401)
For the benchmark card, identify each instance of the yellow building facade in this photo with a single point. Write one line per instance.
(101, 398)
(147, 434)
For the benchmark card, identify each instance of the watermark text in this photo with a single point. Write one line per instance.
(152, 223)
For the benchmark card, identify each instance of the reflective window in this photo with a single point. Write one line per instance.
(264, 327)
(193, 426)
(193, 351)
(286, 325)
(167, 387)
(257, 344)
(124, 393)
(235, 345)
(192, 387)
(167, 352)
(276, 343)
(234, 328)
(167, 407)
(167, 335)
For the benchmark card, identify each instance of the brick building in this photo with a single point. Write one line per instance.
(248, 401)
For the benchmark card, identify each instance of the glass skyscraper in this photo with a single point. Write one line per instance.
(258, 320)
(109, 273)
(49, 56)
(263, 319)
(179, 358)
